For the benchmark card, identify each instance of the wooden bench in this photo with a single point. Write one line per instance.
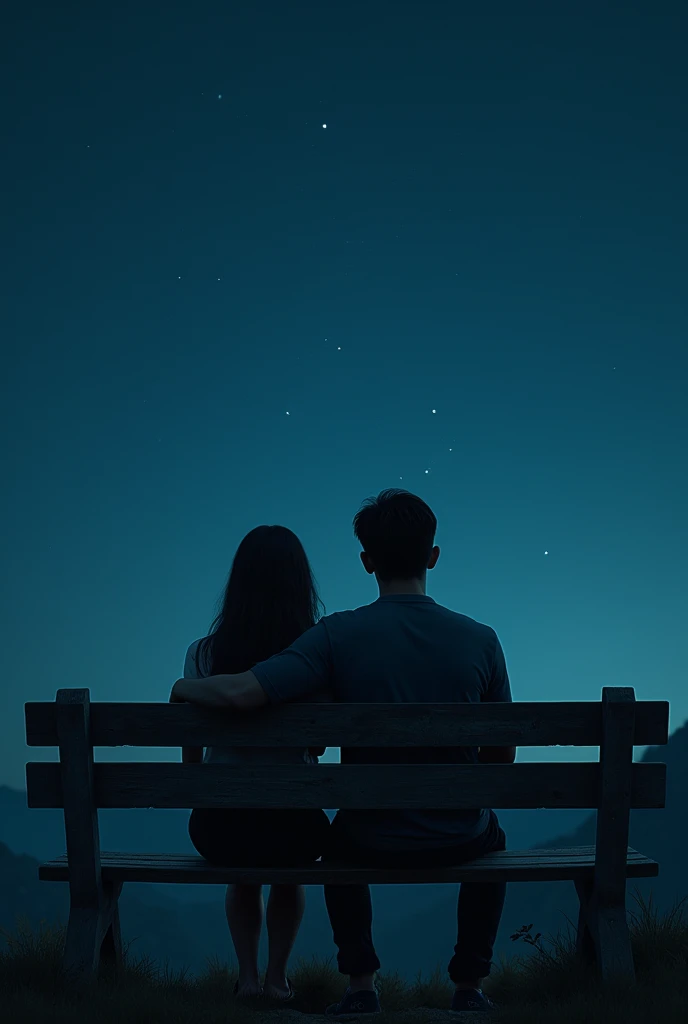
(612, 785)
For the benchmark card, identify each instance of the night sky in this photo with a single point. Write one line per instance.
(263, 260)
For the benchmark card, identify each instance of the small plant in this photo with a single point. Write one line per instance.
(524, 933)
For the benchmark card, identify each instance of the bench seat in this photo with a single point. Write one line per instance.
(504, 866)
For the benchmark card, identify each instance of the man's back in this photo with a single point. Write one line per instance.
(402, 648)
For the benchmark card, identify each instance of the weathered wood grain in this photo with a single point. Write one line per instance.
(607, 907)
(81, 953)
(75, 773)
(505, 866)
(171, 784)
(613, 815)
(524, 723)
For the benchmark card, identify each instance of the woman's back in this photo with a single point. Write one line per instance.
(240, 755)
(270, 600)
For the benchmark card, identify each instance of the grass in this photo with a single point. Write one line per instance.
(539, 985)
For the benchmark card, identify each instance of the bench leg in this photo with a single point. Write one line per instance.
(615, 954)
(111, 949)
(585, 947)
(82, 945)
(91, 930)
(603, 934)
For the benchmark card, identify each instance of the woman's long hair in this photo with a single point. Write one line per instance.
(271, 598)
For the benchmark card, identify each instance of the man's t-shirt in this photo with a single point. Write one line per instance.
(402, 648)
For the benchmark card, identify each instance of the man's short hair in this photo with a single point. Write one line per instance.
(397, 529)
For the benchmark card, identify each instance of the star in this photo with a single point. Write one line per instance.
(324, 126)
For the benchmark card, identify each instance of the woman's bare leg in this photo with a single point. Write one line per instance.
(244, 907)
(284, 915)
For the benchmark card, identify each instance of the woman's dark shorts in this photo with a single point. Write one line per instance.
(259, 838)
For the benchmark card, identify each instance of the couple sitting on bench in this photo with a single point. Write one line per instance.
(269, 645)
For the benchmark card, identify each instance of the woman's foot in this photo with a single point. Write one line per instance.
(281, 989)
(248, 989)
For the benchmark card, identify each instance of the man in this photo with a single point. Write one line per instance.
(404, 647)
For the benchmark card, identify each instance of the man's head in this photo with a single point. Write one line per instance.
(397, 532)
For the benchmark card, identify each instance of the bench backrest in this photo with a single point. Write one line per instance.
(613, 784)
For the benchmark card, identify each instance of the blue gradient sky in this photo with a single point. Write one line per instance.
(493, 225)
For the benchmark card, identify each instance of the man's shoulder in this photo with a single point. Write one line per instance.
(346, 615)
(466, 621)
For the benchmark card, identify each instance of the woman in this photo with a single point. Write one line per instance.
(270, 599)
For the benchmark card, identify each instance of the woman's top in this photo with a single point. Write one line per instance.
(243, 755)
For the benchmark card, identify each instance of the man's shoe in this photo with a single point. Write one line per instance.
(353, 1004)
(470, 999)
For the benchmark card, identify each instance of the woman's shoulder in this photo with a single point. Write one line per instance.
(191, 667)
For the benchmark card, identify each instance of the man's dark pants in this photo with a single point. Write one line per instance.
(479, 909)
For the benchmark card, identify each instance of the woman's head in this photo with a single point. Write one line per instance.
(271, 598)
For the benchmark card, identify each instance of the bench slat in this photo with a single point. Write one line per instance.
(510, 865)
(171, 784)
(573, 853)
(524, 723)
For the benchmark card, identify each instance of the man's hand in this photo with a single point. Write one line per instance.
(241, 691)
